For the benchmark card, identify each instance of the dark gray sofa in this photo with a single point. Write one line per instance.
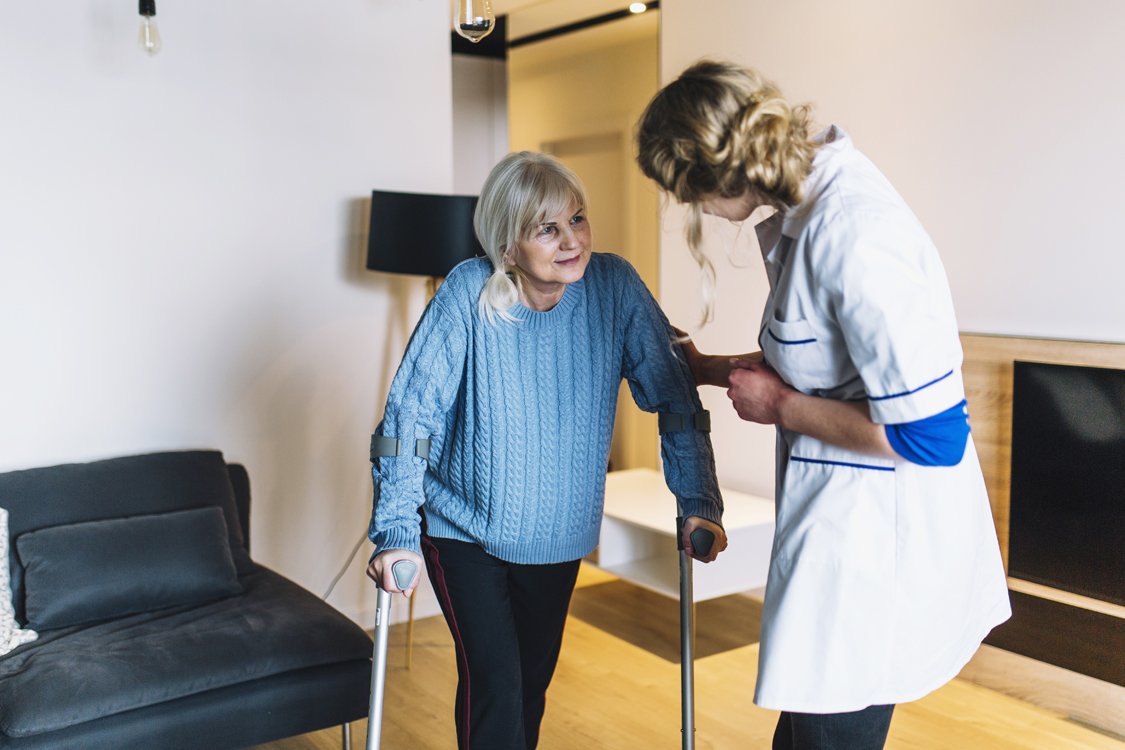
(271, 662)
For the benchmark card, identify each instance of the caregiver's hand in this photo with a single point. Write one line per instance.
(760, 395)
(710, 369)
(757, 391)
(380, 570)
(691, 523)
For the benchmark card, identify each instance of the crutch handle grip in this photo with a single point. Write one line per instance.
(404, 571)
(701, 541)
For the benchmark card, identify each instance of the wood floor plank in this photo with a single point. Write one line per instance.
(613, 695)
(652, 621)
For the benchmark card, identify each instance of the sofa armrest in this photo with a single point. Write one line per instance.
(240, 480)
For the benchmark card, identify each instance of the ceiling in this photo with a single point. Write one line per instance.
(596, 38)
(532, 16)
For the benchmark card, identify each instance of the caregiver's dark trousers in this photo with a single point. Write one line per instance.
(857, 730)
(507, 623)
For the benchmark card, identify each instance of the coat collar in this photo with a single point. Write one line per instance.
(834, 143)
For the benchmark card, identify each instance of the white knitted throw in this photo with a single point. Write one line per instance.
(10, 633)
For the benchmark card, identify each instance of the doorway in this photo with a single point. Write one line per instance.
(578, 95)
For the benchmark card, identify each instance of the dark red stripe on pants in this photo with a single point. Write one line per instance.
(437, 576)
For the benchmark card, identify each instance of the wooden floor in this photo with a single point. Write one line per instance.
(623, 693)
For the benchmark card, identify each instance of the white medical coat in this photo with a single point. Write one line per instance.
(885, 575)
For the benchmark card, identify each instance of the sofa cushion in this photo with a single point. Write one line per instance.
(237, 716)
(116, 488)
(97, 570)
(74, 675)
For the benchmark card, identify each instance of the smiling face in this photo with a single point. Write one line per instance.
(555, 255)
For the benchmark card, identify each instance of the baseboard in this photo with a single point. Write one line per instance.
(1087, 700)
(1066, 597)
(1075, 638)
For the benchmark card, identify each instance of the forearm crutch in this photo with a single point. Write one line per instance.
(403, 572)
(701, 541)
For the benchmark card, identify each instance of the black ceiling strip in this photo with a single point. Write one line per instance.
(579, 25)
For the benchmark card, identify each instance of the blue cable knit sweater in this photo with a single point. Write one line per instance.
(520, 416)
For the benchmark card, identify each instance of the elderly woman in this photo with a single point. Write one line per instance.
(886, 572)
(513, 375)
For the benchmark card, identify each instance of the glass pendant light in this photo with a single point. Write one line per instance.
(473, 19)
(149, 36)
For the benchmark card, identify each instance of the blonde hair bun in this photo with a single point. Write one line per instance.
(720, 130)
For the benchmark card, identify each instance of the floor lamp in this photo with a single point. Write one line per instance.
(421, 235)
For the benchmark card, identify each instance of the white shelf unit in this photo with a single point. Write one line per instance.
(638, 540)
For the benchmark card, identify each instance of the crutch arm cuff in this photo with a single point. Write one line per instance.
(669, 422)
(384, 447)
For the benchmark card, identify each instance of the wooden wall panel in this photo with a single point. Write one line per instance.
(988, 372)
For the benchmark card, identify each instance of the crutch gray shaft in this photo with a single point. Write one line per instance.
(379, 668)
(403, 572)
(687, 652)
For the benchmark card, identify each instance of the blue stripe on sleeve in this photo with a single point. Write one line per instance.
(934, 441)
(904, 393)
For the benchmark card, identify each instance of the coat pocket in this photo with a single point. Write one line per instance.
(838, 507)
(793, 349)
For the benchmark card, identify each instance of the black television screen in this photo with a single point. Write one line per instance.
(1067, 524)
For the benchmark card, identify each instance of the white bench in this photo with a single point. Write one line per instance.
(638, 540)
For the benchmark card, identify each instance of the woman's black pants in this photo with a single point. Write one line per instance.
(507, 623)
(857, 730)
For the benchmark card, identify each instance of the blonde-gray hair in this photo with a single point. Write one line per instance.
(522, 190)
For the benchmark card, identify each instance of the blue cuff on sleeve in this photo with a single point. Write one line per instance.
(934, 441)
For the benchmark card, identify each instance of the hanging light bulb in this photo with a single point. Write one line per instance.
(149, 36)
(473, 19)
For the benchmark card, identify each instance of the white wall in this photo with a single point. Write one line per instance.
(181, 244)
(996, 121)
(480, 119)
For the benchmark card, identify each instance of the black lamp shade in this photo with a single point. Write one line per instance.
(421, 234)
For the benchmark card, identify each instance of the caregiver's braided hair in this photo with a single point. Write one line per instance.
(719, 130)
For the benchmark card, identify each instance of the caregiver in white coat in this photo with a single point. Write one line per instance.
(886, 572)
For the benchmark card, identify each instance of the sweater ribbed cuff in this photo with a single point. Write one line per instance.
(398, 537)
(702, 508)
